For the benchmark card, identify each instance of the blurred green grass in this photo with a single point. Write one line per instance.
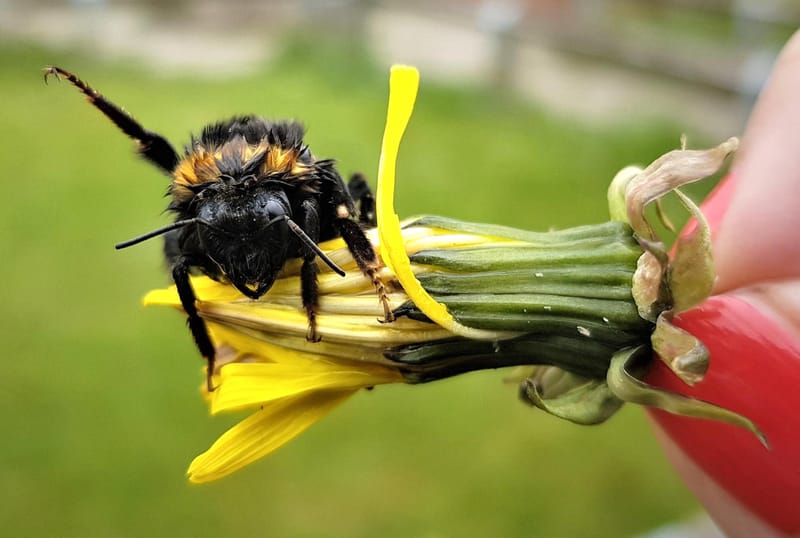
(100, 402)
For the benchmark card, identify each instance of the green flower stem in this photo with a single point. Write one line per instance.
(555, 255)
(577, 327)
(598, 281)
(426, 362)
(563, 298)
(590, 231)
(522, 310)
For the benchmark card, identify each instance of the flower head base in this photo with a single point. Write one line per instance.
(579, 311)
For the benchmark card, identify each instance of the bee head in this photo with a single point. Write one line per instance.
(244, 228)
(246, 233)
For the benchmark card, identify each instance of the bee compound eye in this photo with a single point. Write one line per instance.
(276, 209)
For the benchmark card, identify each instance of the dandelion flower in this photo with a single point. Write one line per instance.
(578, 312)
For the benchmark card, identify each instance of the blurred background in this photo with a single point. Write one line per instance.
(526, 111)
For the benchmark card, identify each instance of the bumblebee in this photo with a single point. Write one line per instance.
(248, 195)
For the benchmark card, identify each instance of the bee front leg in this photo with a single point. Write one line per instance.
(153, 147)
(308, 273)
(180, 274)
(310, 292)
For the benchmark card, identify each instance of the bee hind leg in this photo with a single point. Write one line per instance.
(364, 199)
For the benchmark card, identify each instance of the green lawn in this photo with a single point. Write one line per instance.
(99, 397)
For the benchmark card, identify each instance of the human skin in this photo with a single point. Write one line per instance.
(757, 238)
(755, 224)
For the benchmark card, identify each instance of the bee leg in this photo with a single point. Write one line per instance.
(310, 292)
(152, 146)
(365, 201)
(365, 257)
(180, 274)
(308, 272)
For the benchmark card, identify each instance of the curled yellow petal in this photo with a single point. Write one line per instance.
(263, 432)
(403, 85)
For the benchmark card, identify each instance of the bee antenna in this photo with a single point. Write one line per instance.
(160, 231)
(307, 241)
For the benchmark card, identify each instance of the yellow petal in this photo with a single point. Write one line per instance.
(254, 348)
(263, 432)
(361, 330)
(403, 84)
(204, 287)
(248, 384)
(162, 297)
